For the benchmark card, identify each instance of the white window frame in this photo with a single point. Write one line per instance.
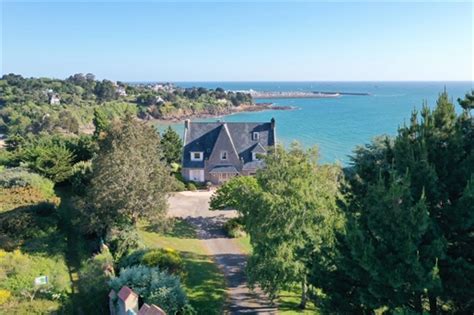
(255, 136)
(201, 156)
(226, 154)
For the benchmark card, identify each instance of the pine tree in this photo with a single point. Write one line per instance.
(388, 241)
(458, 270)
(432, 156)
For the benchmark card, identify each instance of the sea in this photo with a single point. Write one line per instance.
(338, 125)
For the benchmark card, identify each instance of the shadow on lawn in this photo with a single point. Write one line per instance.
(177, 227)
(208, 227)
(33, 228)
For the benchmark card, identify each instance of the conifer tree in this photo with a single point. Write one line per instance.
(430, 162)
(171, 145)
(388, 240)
(129, 180)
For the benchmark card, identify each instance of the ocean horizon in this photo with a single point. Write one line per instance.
(337, 125)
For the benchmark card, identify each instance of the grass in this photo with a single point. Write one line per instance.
(244, 244)
(42, 238)
(289, 301)
(77, 251)
(204, 283)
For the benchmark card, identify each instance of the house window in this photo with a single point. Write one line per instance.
(223, 155)
(255, 136)
(196, 156)
(256, 156)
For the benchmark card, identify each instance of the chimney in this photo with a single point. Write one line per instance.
(272, 121)
(186, 123)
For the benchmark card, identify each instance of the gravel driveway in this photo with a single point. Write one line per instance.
(194, 207)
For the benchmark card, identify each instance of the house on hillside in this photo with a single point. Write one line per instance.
(54, 98)
(217, 151)
(121, 90)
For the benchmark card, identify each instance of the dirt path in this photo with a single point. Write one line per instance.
(194, 207)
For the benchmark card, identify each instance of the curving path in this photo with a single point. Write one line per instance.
(194, 207)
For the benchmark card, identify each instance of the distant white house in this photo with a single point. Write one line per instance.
(168, 87)
(54, 99)
(159, 100)
(121, 91)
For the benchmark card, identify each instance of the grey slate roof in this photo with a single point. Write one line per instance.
(251, 166)
(224, 169)
(258, 148)
(202, 136)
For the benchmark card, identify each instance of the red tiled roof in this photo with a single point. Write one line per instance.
(125, 293)
(144, 309)
(150, 310)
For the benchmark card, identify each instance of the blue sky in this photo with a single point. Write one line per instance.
(250, 41)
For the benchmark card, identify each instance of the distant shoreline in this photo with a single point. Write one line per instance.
(259, 107)
(300, 94)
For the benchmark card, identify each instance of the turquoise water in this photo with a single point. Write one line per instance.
(338, 125)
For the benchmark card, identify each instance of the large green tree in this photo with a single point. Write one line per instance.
(410, 222)
(289, 212)
(129, 180)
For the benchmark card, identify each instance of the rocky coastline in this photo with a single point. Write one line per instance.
(181, 115)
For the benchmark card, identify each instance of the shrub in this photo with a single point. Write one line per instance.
(18, 177)
(123, 241)
(14, 198)
(52, 161)
(191, 187)
(93, 282)
(38, 306)
(165, 258)
(153, 286)
(7, 158)
(4, 296)
(81, 176)
(132, 259)
(234, 228)
(19, 270)
(29, 222)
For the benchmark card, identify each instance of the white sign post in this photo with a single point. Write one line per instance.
(41, 280)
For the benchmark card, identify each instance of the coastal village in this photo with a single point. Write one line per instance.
(236, 158)
(188, 227)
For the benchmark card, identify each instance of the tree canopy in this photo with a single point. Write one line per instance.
(129, 180)
(289, 212)
(409, 220)
(172, 146)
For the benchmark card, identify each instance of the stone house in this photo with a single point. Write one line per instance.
(217, 151)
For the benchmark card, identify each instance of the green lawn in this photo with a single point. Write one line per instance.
(204, 283)
(288, 303)
(42, 248)
(244, 244)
